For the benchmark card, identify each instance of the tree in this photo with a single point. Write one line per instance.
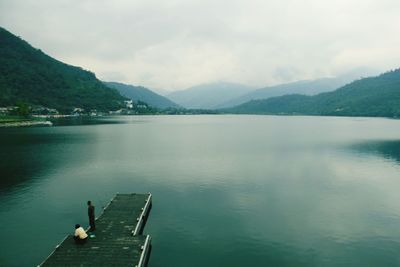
(23, 109)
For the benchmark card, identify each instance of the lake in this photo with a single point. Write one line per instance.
(227, 190)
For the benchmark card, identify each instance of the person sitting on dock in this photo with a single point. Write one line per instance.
(80, 235)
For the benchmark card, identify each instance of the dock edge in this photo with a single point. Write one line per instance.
(142, 216)
(145, 252)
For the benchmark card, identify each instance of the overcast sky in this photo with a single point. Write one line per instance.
(174, 44)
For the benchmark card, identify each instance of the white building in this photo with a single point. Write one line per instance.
(129, 103)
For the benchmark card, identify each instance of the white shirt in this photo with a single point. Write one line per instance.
(81, 233)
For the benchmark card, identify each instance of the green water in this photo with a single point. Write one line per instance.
(228, 190)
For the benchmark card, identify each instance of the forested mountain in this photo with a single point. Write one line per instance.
(208, 96)
(374, 96)
(29, 75)
(306, 87)
(139, 93)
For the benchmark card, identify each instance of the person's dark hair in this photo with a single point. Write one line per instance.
(77, 226)
(89, 202)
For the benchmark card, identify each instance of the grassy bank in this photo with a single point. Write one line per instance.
(20, 121)
(11, 119)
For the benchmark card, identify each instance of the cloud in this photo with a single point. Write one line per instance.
(178, 43)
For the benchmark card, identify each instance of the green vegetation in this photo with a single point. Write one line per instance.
(374, 97)
(23, 109)
(30, 76)
(141, 107)
(8, 119)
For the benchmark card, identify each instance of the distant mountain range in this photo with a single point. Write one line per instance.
(373, 96)
(139, 93)
(306, 87)
(224, 94)
(28, 75)
(208, 96)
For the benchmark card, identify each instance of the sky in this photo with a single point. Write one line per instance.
(175, 44)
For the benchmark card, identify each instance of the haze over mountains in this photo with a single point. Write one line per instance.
(208, 96)
(31, 76)
(225, 94)
(373, 96)
(305, 87)
(140, 93)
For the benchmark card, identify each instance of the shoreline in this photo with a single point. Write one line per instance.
(25, 123)
(46, 121)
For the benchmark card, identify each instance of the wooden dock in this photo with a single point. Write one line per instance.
(118, 240)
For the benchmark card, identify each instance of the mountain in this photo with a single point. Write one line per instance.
(161, 92)
(208, 96)
(139, 93)
(306, 87)
(374, 97)
(29, 75)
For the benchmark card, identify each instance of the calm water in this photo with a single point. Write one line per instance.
(228, 190)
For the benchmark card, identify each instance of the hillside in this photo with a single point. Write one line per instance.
(29, 75)
(208, 96)
(375, 96)
(139, 93)
(306, 87)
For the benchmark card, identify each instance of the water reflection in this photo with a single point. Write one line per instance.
(27, 153)
(388, 149)
(82, 120)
